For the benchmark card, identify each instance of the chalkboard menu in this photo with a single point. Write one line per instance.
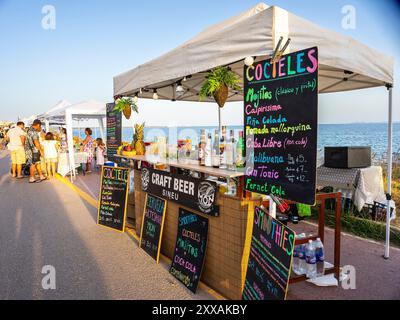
(114, 131)
(152, 225)
(190, 249)
(196, 194)
(113, 197)
(280, 120)
(270, 259)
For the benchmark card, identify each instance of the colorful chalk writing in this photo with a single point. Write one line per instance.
(113, 197)
(270, 259)
(190, 249)
(280, 122)
(114, 131)
(152, 225)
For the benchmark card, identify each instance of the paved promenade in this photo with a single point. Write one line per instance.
(49, 224)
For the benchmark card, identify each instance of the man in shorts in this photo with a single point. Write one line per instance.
(16, 141)
(33, 151)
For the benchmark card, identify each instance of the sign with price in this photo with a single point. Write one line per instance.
(114, 131)
(152, 225)
(270, 260)
(280, 120)
(190, 249)
(113, 197)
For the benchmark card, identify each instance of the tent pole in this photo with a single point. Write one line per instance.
(219, 120)
(389, 172)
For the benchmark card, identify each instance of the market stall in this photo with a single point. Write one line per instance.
(344, 64)
(66, 113)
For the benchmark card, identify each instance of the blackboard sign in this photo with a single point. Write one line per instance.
(152, 225)
(190, 249)
(113, 197)
(280, 120)
(197, 194)
(114, 131)
(270, 259)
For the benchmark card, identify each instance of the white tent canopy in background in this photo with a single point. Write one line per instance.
(54, 116)
(344, 63)
(256, 33)
(28, 121)
(87, 110)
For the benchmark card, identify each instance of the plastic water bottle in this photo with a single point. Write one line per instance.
(301, 268)
(296, 260)
(320, 257)
(311, 266)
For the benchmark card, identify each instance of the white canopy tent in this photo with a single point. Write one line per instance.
(344, 63)
(28, 121)
(88, 110)
(55, 116)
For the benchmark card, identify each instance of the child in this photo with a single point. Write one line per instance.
(50, 146)
(100, 152)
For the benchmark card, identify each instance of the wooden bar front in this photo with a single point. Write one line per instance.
(230, 233)
(226, 261)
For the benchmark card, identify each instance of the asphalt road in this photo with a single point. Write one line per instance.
(48, 224)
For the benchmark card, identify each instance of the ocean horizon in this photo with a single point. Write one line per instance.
(344, 134)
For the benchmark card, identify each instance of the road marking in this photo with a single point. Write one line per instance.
(94, 203)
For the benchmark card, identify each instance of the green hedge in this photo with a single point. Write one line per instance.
(361, 227)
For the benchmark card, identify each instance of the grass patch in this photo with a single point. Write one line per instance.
(361, 227)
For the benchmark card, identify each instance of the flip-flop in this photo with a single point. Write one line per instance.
(21, 177)
(33, 181)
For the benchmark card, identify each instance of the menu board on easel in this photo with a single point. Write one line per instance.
(280, 120)
(114, 131)
(113, 197)
(152, 225)
(190, 249)
(270, 260)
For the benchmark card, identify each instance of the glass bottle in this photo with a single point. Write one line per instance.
(240, 160)
(216, 151)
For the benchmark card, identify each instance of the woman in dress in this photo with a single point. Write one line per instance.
(88, 148)
(63, 140)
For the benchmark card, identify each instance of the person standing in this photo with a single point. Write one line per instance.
(100, 152)
(16, 140)
(63, 140)
(34, 151)
(88, 148)
(50, 148)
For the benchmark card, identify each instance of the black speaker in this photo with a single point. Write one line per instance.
(347, 157)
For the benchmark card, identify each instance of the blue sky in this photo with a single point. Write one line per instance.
(95, 40)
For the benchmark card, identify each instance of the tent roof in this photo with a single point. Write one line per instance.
(344, 63)
(55, 110)
(87, 109)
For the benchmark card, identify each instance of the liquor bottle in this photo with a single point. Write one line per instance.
(240, 160)
(215, 151)
(222, 150)
(202, 145)
(230, 152)
(207, 152)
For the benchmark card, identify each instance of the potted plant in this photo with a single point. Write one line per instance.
(126, 105)
(217, 84)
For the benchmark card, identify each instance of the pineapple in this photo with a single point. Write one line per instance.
(138, 139)
(127, 111)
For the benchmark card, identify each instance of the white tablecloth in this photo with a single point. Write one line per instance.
(63, 162)
(365, 184)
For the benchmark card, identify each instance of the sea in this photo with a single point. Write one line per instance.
(353, 134)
